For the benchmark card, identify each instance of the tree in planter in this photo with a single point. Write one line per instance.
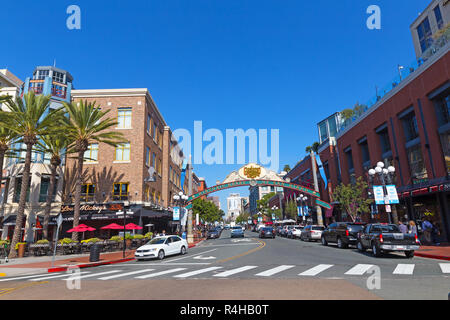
(352, 198)
(263, 204)
(56, 147)
(243, 217)
(29, 118)
(207, 210)
(86, 124)
(291, 209)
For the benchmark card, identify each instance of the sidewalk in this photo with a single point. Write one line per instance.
(441, 252)
(36, 265)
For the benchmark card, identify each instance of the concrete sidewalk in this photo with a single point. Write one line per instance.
(34, 265)
(441, 252)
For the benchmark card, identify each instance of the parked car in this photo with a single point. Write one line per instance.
(213, 234)
(290, 232)
(342, 233)
(312, 232)
(383, 237)
(285, 230)
(227, 227)
(278, 230)
(296, 232)
(267, 232)
(160, 247)
(236, 231)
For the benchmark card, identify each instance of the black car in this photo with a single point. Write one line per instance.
(267, 232)
(383, 237)
(342, 233)
(213, 234)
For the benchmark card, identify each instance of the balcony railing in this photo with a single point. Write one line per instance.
(404, 72)
(61, 93)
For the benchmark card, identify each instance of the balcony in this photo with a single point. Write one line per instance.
(60, 93)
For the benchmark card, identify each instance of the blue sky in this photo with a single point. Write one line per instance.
(231, 64)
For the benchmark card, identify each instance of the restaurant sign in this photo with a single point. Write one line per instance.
(94, 208)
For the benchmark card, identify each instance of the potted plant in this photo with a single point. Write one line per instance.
(128, 240)
(21, 246)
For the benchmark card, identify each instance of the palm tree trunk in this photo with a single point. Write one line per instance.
(78, 182)
(22, 202)
(2, 159)
(48, 204)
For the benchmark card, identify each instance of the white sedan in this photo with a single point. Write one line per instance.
(160, 247)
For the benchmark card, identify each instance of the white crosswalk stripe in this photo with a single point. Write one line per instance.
(445, 267)
(152, 275)
(359, 269)
(77, 276)
(194, 273)
(54, 277)
(404, 269)
(26, 277)
(125, 274)
(316, 270)
(273, 271)
(234, 271)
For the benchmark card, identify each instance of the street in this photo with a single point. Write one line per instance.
(246, 268)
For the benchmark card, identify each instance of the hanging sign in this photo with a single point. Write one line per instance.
(378, 194)
(392, 194)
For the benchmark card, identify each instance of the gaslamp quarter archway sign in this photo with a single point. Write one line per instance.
(255, 175)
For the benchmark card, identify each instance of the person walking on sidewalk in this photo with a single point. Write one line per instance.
(412, 228)
(427, 228)
(402, 227)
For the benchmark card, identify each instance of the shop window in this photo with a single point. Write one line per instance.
(445, 142)
(120, 191)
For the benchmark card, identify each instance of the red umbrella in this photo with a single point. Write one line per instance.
(113, 226)
(132, 226)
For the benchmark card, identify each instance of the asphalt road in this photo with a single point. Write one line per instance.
(248, 268)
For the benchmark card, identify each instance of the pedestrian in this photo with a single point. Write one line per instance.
(427, 228)
(435, 233)
(163, 233)
(402, 227)
(412, 228)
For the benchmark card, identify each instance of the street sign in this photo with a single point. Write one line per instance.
(388, 208)
(378, 194)
(59, 220)
(176, 214)
(392, 194)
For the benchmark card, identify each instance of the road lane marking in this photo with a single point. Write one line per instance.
(174, 264)
(263, 244)
(25, 277)
(160, 273)
(171, 260)
(76, 276)
(29, 284)
(53, 277)
(359, 269)
(273, 271)
(404, 269)
(193, 273)
(125, 274)
(234, 271)
(445, 267)
(316, 270)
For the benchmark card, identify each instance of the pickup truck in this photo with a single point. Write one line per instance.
(381, 237)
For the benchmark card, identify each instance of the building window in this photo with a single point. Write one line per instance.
(41, 75)
(385, 143)
(155, 131)
(159, 169)
(159, 139)
(416, 164)
(438, 15)
(424, 33)
(87, 192)
(120, 191)
(149, 124)
(442, 107)
(326, 169)
(58, 76)
(154, 160)
(410, 127)
(348, 155)
(123, 152)
(445, 142)
(147, 156)
(18, 188)
(124, 118)
(170, 172)
(91, 154)
(365, 152)
(45, 183)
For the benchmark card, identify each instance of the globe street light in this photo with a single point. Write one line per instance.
(384, 175)
(302, 198)
(180, 199)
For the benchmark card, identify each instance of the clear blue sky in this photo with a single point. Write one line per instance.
(232, 64)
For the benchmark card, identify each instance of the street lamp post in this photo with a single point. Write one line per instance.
(274, 208)
(181, 199)
(124, 228)
(302, 198)
(385, 175)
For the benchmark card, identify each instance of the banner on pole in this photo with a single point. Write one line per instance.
(378, 194)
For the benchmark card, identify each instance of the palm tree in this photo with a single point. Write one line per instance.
(56, 147)
(287, 168)
(86, 124)
(30, 118)
(7, 137)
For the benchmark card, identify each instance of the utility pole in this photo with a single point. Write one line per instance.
(316, 187)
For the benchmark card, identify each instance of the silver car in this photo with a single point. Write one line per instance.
(312, 232)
